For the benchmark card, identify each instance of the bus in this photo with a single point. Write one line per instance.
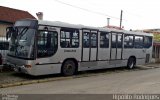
(39, 47)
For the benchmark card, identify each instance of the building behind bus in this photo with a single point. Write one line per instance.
(8, 16)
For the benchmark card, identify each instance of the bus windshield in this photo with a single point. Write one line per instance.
(22, 44)
(21, 36)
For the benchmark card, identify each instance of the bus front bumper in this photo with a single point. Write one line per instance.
(19, 69)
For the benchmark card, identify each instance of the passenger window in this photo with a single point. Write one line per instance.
(128, 41)
(86, 40)
(93, 40)
(47, 43)
(89, 40)
(69, 38)
(138, 42)
(114, 40)
(147, 42)
(104, 40)
(119, 40)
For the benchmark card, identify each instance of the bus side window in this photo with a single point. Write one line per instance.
(86, 42)
(69, 38)
(46, 43)
(119, 41)
(128, 41)
(104, 40)
(147, 42)
(138, 42)
(114, 41)
(93, 40)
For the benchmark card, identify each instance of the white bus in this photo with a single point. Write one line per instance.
(40, 47)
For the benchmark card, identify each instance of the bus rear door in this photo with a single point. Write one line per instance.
(116, 46)
(89, 45)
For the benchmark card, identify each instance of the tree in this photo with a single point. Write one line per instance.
(156, 37)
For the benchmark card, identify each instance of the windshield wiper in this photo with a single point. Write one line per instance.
(23, 31)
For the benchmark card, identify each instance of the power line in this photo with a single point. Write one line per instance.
(133, 14)
(99, 13)
(84, 9)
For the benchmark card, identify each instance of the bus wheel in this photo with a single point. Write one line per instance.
(131, 63)
(68, 68)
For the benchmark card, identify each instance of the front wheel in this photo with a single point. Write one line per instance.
(68, 68)
(131, 63)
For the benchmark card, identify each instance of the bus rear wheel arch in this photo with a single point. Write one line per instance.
(131, 62)
(69, 67)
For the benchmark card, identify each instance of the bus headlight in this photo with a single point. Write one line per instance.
(27, 66)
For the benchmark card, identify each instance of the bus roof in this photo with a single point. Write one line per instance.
(78, 26)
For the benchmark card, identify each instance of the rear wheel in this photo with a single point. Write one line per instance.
(68, 68)
(131, 63)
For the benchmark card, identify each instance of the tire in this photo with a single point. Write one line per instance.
(68, 68)
(131, 63)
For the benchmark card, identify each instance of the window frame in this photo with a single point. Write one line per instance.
(88, 40)
(132, 41)
(121, 43)
(104, 40)
(54, 51)
(115, 44)
(91, 40)
(70, 37)
(142, 46)
(148, 45)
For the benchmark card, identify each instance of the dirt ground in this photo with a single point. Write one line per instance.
(7, 77)
(142, 79)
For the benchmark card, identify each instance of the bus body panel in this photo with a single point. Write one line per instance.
(104, 54)
(148, 55)
(45, 69)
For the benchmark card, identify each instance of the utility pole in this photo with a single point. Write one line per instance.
(121, 19)
(108, 19)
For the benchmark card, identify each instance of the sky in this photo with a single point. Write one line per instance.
(137, 14)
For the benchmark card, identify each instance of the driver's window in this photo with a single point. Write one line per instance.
(46, 43)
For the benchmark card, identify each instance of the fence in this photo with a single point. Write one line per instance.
(4, 46)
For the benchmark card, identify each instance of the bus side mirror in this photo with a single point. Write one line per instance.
(8, 32)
